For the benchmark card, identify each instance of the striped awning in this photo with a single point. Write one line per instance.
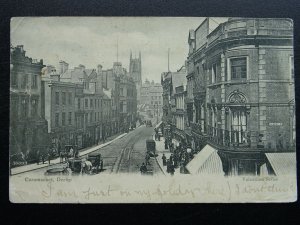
(283, 163)
(207, 161)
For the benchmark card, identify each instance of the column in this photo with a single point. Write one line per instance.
(262, 95)
(223, 98)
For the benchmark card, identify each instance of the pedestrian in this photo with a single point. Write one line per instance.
(175, 161)
(168, 166)
(171, 159)
(38, 157)
(49, 155)
(172, 169)
(143, 168)
(164, 159)
(71, 153)
(166, 144)
(43, 158)
(147, 158)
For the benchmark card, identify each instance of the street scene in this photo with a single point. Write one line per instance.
(152, 97)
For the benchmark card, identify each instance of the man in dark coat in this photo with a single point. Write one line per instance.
(164, 159)
(143, 168)
(38, 157)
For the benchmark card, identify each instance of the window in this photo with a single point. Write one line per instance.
(70, 98)
(14, 108)
(34, 81)
(238, 67)
(63, 98)
(214, 73)
(91, 103)
(292, 66)
(91, 118)
(57, 98)
(121, 91)
(198, 70)
(24, 81)
(95, 103)
(34, 104)
(56, 119)
(24, 109)
(238, 126)
(78, 103)
(63, 119)
(86, 118)
(70, 118)
(14, 79)
(95, 116)
(86, 103)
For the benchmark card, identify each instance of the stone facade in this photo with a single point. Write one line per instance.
(242, 80)
(28, 127)
(135, 71)
(151, 99)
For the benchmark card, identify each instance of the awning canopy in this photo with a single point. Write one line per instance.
(158, 124)
(283, 163)
(207, 161)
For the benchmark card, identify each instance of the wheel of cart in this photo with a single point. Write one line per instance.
(75, 164)
(97, 161)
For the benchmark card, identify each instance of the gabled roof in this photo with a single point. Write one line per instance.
(77, 75)
(106, 93)
(178, 79)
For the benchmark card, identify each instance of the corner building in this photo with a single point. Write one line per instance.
(28, 127)
(241, 91)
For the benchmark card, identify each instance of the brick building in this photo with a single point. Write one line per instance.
(173, 119)
(240, 91)
(73, 105)
(151, 99)
(28, 127)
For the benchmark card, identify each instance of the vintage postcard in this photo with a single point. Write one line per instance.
(152, 110)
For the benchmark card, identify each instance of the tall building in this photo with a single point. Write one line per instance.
(174, 113)
(240, 93)
(75, 105)
(123, 95)
(151, 99)
(135, 71)
(28, 127)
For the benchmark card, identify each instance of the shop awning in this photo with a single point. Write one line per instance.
(283, 163)
(158, 124)
(207, 161)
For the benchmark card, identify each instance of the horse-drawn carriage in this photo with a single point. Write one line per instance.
(68, 152)
(92, 164)
(151, 147)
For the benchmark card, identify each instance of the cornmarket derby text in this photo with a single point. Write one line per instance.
(46, 179)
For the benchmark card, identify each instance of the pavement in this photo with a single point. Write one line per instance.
(160, 150)
(31, 167)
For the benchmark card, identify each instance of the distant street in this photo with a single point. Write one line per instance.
(124, 155)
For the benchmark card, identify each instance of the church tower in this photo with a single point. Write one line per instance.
(135, 71)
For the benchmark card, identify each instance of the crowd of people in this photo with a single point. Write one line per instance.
(180, 156)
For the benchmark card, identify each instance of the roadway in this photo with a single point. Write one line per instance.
(124, 155)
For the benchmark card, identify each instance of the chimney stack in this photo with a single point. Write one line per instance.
(99, 79)
(63, 67)
(54, 76)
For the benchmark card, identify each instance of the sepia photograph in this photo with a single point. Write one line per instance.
(152, 110)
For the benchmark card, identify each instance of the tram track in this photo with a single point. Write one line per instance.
(124, 163)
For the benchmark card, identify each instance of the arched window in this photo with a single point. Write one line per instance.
(237, 119)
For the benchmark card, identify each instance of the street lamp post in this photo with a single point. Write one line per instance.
(156, 113)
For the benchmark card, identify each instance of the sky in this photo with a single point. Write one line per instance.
(93, 40)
